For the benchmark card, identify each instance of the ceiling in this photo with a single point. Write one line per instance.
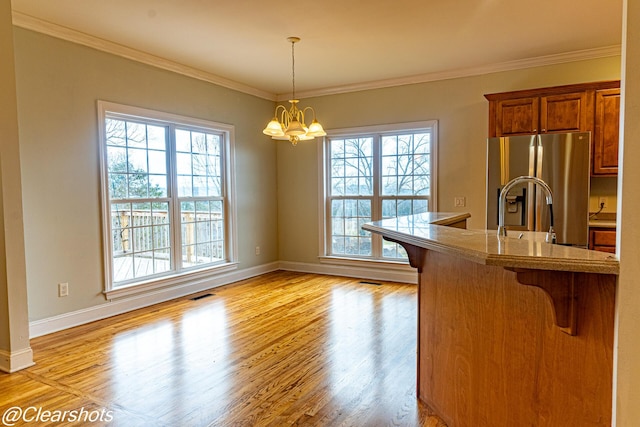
(346, 44)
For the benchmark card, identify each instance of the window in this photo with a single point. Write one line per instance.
(167, 196)
(371, 174)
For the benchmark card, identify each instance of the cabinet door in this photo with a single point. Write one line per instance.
(517, 116)
(565, 113)
(603, 240)
(606, 133)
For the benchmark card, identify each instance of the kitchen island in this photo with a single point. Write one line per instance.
(511, 331)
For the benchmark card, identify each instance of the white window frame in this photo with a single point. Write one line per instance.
(173, 277)
(324, 185)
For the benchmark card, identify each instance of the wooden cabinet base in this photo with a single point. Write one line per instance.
(491, 355)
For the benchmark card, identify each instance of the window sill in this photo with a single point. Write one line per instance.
(168, 281)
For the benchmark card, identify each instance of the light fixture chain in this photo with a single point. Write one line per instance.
(291, 124)
(293, 68)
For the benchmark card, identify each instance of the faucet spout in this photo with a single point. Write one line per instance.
(502, 230)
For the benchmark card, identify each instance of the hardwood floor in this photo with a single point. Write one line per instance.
(280, 349)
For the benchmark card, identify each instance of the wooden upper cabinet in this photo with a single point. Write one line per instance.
(517, 116)
(586, 107)
(565, 113)
(606, 132)
(555, 109)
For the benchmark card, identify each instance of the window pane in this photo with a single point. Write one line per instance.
(337, 208)
(198, 142)
(420, 206)
(122, 267)
(157, 162)
(337, 186)
(161, 236)
(156, 137)
(214, 145)
(214, 186)
(136, 135)
(202, 232)
(352, 167)
(389, 185)
(183, 163)
(137, 161)
(199, 186)
(183, 141)
(157, 186)
(347, 217)
(161, 261)
(117, 159)
(185, 186)
(115, 132)
(337, 245)
(389, 249)
(389, 209)
(138, 186)
(129, 161)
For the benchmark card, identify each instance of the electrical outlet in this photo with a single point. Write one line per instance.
(63, 289)
(459, 202)
(257, 250)
(602, 203)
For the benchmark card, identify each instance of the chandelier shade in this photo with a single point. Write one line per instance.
(289, 124)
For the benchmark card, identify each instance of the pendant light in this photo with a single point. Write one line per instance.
(290, 124)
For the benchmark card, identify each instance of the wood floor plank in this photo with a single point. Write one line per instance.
(281, 349)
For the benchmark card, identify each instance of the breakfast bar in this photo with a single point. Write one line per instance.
(512, 331)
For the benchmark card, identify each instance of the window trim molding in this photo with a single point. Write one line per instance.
(145, 285)
(323, 182)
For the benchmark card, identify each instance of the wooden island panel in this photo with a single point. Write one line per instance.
(490, 353)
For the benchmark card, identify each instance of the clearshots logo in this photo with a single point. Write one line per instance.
(34, 414)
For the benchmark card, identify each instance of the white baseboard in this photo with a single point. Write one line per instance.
(122, 305)
(12, 361)
(370, 272)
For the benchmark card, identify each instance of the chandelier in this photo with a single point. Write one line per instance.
(290, 124)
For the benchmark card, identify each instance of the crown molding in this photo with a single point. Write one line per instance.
(540, 61)
(34, 24)
(31, 23)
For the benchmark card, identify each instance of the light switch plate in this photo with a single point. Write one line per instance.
(459, 202)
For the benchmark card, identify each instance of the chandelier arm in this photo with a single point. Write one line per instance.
(312, 110)
(282, 113)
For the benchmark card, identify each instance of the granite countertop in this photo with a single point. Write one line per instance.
(429, 231)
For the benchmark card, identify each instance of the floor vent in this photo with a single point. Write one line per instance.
(371, 283)
(201, 296)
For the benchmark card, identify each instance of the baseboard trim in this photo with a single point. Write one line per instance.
(122, 305)
(364, 272)
(13, 361)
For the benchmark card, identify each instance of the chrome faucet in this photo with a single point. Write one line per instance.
(502, 231)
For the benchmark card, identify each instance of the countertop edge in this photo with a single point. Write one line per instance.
(604, 266)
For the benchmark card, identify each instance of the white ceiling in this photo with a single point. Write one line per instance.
(346, 44)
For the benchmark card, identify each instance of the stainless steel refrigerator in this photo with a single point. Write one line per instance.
(562, 161)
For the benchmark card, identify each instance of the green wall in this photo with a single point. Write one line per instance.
(462, 114)
(58, 84)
